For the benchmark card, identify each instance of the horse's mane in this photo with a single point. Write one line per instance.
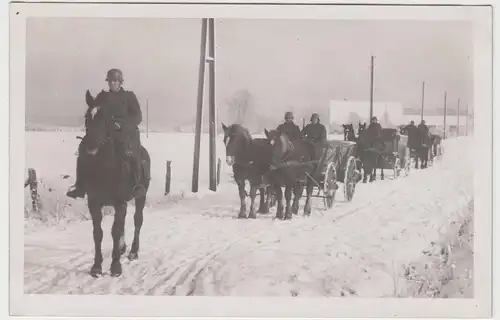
(239, 129)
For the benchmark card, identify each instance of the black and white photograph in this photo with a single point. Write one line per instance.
(330, 155)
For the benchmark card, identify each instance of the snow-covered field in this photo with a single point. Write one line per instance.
(192, 245)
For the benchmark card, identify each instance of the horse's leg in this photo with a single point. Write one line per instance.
(309, 191)
(426, 157)
(253, 194)
(279, 200)
(417, 158)
(243, 206)
(365, 173)
(117, 232)
(381, 173)
(138, 219)
(422, 158)
(264, 201)
(288, 198)
(298, 189)
(269, 197)
(96, 214)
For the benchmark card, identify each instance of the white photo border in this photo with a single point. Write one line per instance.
(147, 306)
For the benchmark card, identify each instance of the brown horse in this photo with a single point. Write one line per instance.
(251, 161)
(293, 163)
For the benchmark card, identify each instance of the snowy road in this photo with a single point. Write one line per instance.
(196, 247)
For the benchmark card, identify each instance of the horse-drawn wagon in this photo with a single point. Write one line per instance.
(396, 154)
(337, 164)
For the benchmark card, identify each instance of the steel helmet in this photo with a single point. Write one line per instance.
(114, 75)
(314, 115)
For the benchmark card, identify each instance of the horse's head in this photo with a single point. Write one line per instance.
(98, 125)
(361, 128)
(237, 139)
(281, 145)
(349, 132)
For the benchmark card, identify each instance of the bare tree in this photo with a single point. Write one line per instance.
(239, 105)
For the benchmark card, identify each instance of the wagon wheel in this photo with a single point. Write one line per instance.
(397, 167)
(350, 179)
(329, 186)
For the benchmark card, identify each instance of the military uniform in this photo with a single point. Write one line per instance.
(423, 131)
(316, 133)
(375, 128)
(125, 112)
(413, 136)
(290, 129)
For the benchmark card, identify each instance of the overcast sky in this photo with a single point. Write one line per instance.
(284, 64)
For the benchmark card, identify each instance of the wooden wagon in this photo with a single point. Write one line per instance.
(396, 154)
(338, 164)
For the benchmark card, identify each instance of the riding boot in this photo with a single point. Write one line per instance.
(139, 190)
(78, 189)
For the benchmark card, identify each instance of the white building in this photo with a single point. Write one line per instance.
(389, 114)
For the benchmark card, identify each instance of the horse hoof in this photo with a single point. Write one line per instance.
(133, 256)
(252, 216)
(288, 217)
(242, 216)
(96, 271)
(116, 269)
(279, 217)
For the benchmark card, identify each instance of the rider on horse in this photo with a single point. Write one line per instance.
(126, 115)
(289, 127)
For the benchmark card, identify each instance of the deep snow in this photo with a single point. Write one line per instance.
(195, 246)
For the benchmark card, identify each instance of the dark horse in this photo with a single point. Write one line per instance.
(423, 149)
(251, 160)
(349, 134)
(293, 163)
(108, 183)
(369, 151)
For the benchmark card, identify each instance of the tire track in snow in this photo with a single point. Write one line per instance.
(192, 248)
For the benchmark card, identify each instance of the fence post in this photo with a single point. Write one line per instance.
(33, 184)
(168, 177)
(218, 171)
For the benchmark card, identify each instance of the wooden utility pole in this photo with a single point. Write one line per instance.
(423, 98)
(371, 88)
(211, 106)
(199, 109)
(458, 118)
(445, 111)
